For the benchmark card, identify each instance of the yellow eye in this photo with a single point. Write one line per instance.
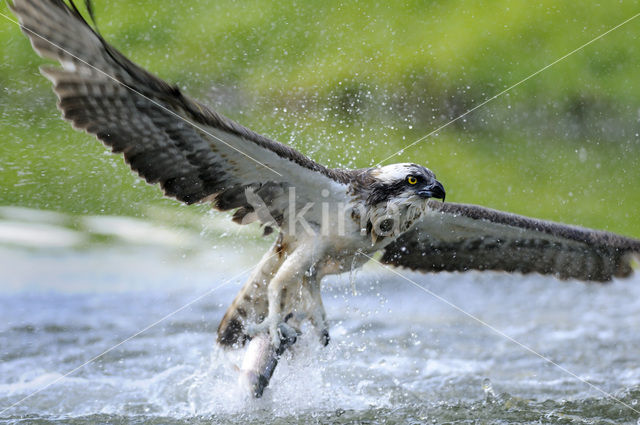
(412, 180)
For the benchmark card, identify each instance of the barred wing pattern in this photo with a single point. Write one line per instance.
(195, 154)
(459, 237)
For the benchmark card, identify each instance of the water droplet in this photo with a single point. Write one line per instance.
(352, 274)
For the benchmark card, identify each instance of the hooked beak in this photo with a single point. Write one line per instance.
(436, 190)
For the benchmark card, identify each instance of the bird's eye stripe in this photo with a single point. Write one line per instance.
(412, 180)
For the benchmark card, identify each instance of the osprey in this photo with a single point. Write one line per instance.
(328, 220)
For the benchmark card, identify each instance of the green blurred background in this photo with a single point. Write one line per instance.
(351, 83)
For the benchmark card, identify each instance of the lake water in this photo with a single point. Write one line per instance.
(397, 353)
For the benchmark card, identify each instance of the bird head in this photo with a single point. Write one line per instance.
(404, 181)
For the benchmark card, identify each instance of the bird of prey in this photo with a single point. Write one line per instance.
(328, 220)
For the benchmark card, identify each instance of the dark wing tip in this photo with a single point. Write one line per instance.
(458, 237)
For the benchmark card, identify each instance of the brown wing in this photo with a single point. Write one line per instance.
(458, 237)
(192, 152)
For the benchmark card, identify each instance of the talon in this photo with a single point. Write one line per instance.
(324, 337)
(288, 333)
(280, 333)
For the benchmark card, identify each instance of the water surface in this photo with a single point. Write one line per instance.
(397, 354)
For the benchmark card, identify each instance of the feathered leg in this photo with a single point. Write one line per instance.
(284, 293)
(317, 314)
(251, 303)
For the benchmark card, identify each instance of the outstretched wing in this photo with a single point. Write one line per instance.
(458, 237)
(192, 152)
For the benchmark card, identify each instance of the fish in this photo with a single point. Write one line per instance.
(260, 360)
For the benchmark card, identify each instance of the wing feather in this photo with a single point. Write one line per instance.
(192, 152)
(459, 237)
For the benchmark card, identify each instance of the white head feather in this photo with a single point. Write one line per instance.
(394, 172)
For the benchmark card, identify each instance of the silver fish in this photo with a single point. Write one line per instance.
(261, 359)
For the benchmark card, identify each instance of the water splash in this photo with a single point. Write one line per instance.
(353, 271)
(176, 372)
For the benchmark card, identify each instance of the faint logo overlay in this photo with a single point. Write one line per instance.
(326, 217)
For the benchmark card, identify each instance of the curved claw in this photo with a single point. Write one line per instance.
(324, 337)
(279, 332)
(288, 333)
(284, 336)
